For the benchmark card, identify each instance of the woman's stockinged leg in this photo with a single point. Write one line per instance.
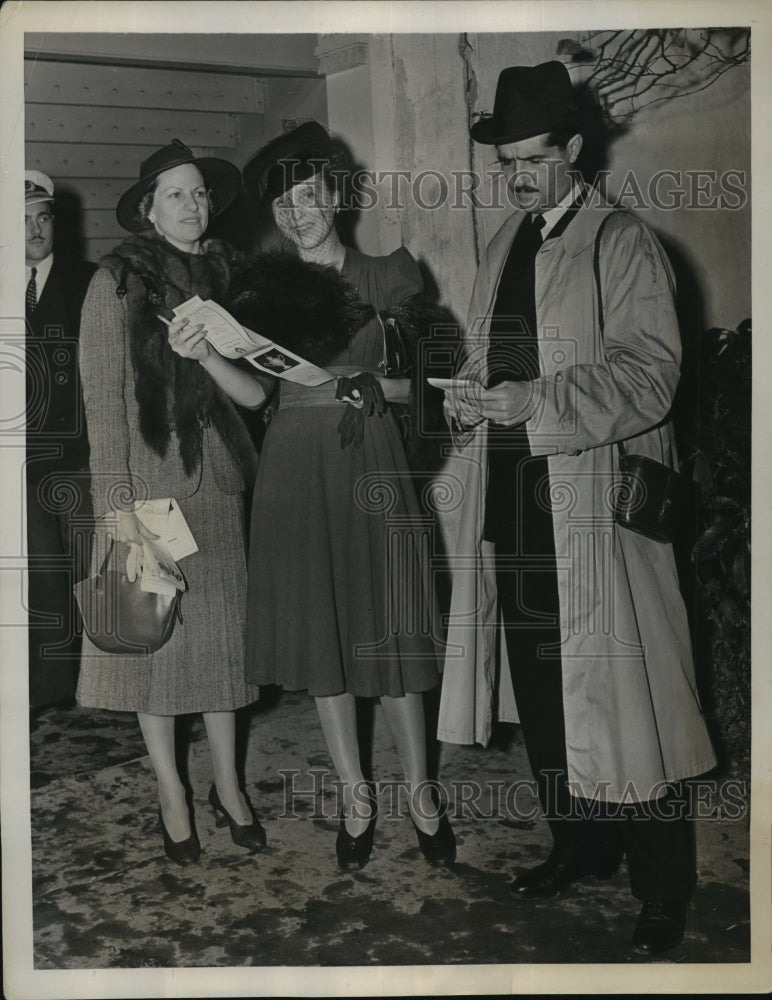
(158, 733)
(221, 732)
(338, 717)
(405, 719)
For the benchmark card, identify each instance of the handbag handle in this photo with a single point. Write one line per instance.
(103, 567)
(596, 272)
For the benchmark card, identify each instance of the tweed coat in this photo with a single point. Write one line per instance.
(632, 716)
(201, 668)
(122, 463)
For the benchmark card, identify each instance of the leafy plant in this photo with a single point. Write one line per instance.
(714, 421)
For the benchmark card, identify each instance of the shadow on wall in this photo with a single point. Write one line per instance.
(238, 223)
(347, 167)
(69, 234)
(598, 132)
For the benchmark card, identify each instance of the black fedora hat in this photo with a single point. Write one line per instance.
(529, 100)
(221, 177)
(287, 160)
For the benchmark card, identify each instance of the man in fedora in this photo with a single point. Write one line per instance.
(57, 447)
(573, 346)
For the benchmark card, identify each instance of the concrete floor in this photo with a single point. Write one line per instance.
(105, 896)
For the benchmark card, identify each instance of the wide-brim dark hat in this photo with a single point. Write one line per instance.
(222, 179)
(530, 100)
(287, 160)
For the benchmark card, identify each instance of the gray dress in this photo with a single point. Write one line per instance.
(201, 669)
(340, 592)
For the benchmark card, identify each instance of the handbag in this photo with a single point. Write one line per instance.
(119, 617)
(651, 498)
(397, 362)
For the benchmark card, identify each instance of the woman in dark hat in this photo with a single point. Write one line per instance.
(342, 613)
(161, 428)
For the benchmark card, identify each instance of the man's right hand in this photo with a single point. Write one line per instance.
(465, 410)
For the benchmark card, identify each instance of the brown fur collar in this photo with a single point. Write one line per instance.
(172, 391)
(315, 312)
(307, 308)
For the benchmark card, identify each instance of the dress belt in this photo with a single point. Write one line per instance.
(292, 394)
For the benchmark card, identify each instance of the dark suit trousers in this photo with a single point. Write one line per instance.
(58, 501)
(57, 559)
(659, 850)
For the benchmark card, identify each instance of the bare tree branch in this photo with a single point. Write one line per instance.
(632, 70)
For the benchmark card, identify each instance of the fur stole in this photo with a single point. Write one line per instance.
(315, 312)
(307, 308)
(175, 392)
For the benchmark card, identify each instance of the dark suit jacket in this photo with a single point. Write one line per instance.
(55, 415)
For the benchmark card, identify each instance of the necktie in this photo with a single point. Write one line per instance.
(32, 292)
(513, 355)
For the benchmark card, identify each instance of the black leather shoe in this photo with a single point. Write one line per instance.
(438, 848)
(249, 835)
(553, 876)
(354, 852)
(181, 852)
(660, 926)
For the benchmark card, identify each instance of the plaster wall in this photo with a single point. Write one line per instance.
(350, 117)
(409, 106)
(403, 115)
(705, 132)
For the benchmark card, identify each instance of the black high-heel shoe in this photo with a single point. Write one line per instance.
(354, 852)
(181, 852)
(438, 848)
(250, 835)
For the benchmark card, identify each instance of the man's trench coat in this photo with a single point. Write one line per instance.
(632, 717)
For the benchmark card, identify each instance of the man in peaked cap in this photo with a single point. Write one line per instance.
(573, 347)
(57, 446)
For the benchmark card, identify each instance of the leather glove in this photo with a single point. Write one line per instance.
(351, 427)
(131, 531)
(366, 391)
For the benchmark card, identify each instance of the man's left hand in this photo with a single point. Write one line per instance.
(508, 403)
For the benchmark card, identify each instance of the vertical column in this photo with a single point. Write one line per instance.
(399, 101)
(344, 61)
